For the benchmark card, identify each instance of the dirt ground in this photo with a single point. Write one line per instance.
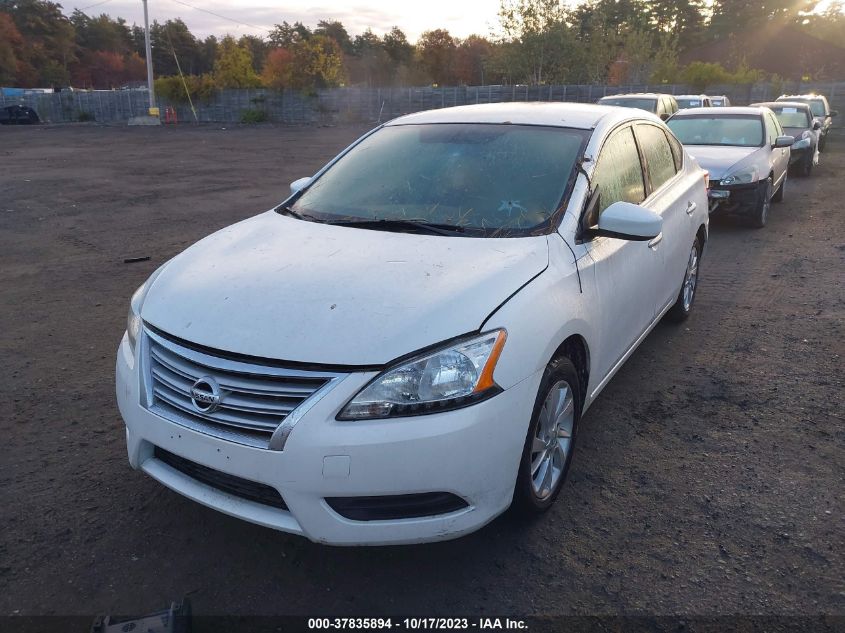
(708, 478)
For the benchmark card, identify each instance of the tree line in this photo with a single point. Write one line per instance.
(538, 42)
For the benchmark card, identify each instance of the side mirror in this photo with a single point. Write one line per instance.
(833, 113)
(784, 141)
(627, 221)
(296, 185)
(817, 125)
(664, 116)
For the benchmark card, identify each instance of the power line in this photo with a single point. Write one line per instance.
(217, 15)
(91, 6)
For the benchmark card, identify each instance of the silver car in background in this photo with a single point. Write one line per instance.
(693, 101)
(720, 101)
(663, 105)
(746, 153)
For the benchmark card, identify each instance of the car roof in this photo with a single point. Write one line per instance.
(809, 96)
(637, 95)
(583, 116)
(691, 96)
(721, 111)
(781, 104)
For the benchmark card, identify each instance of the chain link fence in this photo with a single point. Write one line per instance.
(355, 105)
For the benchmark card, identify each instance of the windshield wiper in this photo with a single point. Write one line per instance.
(399, 224)
(299, 216)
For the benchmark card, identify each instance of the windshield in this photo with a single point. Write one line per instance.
(816, 105)
(501, 180)
(689, 103)
(792, 117)
(631, 102)
(738, 130)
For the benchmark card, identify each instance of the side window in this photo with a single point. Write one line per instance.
(657, 153)
(618, 173)
(776, 124)
(771, 131)
(677, 151)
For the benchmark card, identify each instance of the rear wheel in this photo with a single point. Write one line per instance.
(551, 437)
(760, 213)
(683, 305)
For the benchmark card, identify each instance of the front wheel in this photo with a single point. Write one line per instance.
(778, 197)
(760, 213)
(683, 305)
(551, 437)
(807, 163)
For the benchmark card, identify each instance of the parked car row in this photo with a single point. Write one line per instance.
(664, 105)
(405, 346)
(748, 151)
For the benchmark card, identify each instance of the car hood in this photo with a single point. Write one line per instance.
(277, 287)
(720, 160)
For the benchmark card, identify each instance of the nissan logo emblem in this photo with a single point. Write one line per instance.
(205, 395)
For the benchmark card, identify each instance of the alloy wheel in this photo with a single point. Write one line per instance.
(690, 278)
(552, 440)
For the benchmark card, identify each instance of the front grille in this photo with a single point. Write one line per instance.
(254, 398)
(392, 507)
(243, 488)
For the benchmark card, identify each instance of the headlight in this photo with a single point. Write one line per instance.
(133, 320)
(743, 177)
(453, 377)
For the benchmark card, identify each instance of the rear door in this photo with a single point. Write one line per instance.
(675, 194)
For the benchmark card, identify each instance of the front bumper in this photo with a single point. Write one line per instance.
(473, 453)
(733, 198)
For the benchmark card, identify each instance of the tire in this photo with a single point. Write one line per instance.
(807, 163)
(760, 213)
(680, 311)
(778, 197)
(534, 493)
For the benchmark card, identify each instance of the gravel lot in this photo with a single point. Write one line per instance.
(708, 479)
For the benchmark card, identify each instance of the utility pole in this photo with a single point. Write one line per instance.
(150, 85)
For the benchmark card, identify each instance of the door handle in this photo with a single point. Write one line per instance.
(691, 207)
(653, 243)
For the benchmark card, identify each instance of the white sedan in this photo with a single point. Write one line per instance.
(404, 348)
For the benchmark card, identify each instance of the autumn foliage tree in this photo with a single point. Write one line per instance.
(11, 51)
(233, 66)
(277, 68)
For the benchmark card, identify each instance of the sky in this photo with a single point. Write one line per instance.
(256, 17)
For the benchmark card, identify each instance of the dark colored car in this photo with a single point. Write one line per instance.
(18, 115)
(821, 111)
(797, 120)
(663, 105)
